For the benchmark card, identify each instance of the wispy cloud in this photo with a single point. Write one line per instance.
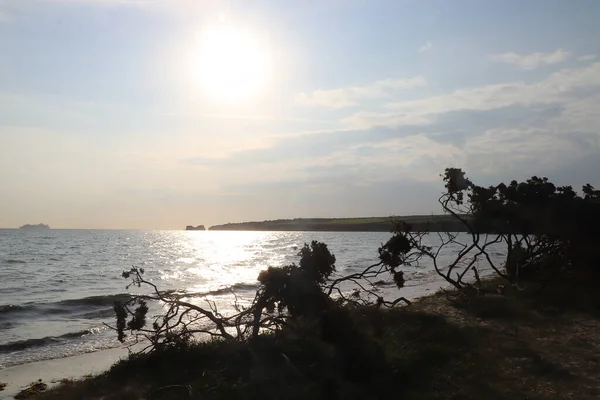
(587, 57)
(367, 120)
(532, 61)
(508, 126)
(425, 47)
(353, 95)
(556, 88)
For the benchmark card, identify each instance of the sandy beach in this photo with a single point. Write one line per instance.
(52, 371)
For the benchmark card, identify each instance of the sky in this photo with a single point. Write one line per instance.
(156, 114)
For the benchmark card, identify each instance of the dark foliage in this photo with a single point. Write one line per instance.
(294, 291)
(393, 251)
(546, 227)
(294, 296)
(546, 230)
(297, 288)
(316, 261)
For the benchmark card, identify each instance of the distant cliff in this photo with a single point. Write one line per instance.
(433, 223)
(195, 228)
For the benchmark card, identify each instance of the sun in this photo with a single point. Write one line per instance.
(231, 63)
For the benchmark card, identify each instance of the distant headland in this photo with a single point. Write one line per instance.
(432, 223)
(37, 226)
(195, 228)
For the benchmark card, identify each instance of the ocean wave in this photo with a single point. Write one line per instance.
(227, 290)
(39, 342)
(6, 325)
(105, 313)
(10, 308)
(95, 307)
(61, 349)
(102, 300)
(70, 306)
(11, 261)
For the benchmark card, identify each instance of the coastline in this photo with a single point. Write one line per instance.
(53, 371)
(81, 366)
(433, 223)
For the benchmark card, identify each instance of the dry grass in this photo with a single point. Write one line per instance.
(538, 343)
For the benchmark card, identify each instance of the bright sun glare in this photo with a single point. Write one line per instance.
(231, 63)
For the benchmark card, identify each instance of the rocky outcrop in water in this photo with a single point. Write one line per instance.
(195, 228)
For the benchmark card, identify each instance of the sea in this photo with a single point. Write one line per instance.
(58, 287)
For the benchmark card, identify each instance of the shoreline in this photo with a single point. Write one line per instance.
(53, 371)
(83, 365)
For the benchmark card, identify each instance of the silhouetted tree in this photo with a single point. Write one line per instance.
(295, 290)
(543, 228)
(302, 296)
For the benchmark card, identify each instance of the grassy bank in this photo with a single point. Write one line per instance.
(536, 343)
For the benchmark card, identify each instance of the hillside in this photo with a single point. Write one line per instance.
(444, 223)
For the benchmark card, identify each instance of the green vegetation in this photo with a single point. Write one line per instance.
(439, 223)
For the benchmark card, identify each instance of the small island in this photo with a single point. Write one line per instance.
(37, 226)
(195, 228)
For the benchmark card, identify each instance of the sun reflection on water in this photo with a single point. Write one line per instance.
(213, 264)
(223, 259)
